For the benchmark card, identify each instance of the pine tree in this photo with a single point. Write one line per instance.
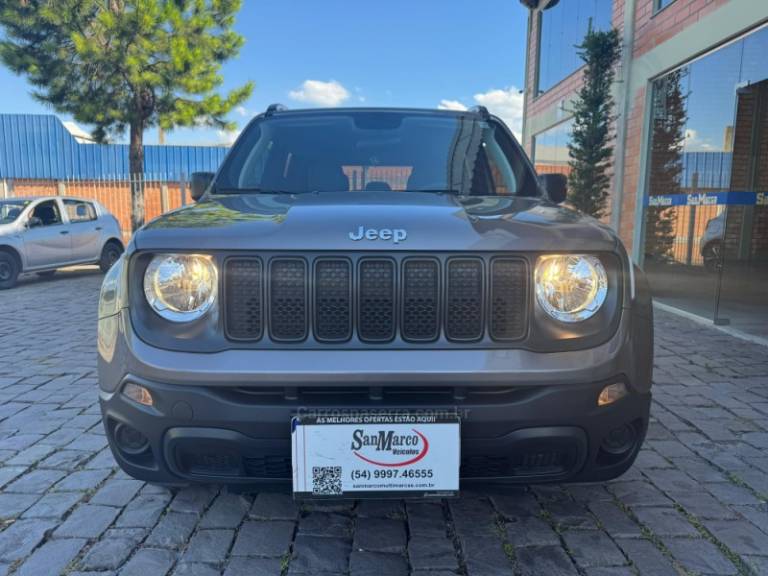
(591, 147)
(667, 141)
(126, 64)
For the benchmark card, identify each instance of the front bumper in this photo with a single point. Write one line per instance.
(225, 417)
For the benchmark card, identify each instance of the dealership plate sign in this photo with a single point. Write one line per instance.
(375, 455)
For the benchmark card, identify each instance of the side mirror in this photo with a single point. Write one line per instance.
(555, 185)
(34, 222)
(199, 184)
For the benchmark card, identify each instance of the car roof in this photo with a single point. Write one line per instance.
(36, 198)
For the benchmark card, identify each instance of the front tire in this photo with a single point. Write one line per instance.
(9, 271)
(109, 255)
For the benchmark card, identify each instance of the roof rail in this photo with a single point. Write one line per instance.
(272, 108)
(482, 110)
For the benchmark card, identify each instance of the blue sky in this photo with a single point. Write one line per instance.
(393, 53)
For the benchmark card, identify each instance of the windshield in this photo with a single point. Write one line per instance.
(382, 151)
(10, 210)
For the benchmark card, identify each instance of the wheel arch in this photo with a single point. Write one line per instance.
(8, 249)
(113, 240)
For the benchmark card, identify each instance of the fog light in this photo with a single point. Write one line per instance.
(620, 440)
(130, 440)
(138, 394)
(611, 393)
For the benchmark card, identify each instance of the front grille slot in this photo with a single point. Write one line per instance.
(333, 300)
(464, 299)
(244, 314)
(376, 300)
(374, 396)
(555, 461)
(267, 467)
(288, 300)
(421, 292)
(366, 300)
(509, 296)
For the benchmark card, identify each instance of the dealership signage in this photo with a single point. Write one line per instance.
(741, 198)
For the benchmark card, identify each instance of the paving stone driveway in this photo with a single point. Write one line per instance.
(695, 502)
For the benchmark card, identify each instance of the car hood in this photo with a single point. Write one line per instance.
(324, 221)
(6, 229)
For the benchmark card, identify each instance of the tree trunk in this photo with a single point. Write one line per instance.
(136, 167)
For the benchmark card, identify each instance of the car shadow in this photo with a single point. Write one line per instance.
(32, 278)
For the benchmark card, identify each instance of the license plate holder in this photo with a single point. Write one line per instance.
(375, 455)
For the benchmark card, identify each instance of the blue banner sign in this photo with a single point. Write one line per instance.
(740, 198)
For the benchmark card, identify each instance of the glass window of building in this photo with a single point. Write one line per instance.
(706, 215)
(550, 149)
(562, 27)
(660, 4)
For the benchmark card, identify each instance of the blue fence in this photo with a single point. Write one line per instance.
(706, 170)
(35, 146)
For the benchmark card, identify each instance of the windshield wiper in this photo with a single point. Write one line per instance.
(253, 190)
(435, 191)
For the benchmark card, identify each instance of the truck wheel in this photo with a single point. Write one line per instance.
(109, 255)
(9, 271)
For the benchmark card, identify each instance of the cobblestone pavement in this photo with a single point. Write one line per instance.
(695, 502)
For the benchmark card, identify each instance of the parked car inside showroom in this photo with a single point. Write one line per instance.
(711, 242)
(41, 234)
(375, 302)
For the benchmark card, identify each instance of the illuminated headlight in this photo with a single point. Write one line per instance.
(570, 287)
(181, 287)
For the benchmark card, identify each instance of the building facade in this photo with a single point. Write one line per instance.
(690, 172)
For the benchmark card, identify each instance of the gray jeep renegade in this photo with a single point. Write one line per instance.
(375, 301)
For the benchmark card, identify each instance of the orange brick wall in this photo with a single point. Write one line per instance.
(34, 188)
(650, 30)
(542, 168)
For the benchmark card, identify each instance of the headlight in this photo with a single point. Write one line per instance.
(181, 287)
(570, 287)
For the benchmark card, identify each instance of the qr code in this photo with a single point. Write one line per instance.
(326, 480)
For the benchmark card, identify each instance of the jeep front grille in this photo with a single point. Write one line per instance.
(243, 292)
(372, 300)
(288, 295)
(376, 300)
(333, 300)
(421, 300)
(508, 279)
(464, 299)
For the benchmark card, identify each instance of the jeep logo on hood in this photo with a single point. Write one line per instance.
(397, 235)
